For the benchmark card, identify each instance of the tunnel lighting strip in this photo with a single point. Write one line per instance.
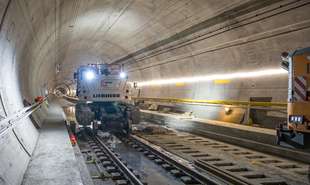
(206, 78)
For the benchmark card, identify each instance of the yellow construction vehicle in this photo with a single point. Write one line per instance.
(296, 131)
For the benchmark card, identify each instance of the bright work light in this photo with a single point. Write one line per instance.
(122, 75)
(89, 75)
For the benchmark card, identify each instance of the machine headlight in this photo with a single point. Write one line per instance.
(123, 75)
(89, 75)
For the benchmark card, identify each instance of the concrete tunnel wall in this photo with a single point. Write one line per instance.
(247, 43)
(43, 42)
(17, 145)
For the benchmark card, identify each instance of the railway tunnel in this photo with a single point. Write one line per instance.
(206, 76)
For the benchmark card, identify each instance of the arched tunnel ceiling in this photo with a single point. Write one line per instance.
(104, 31)
(42, 42)
(154, 39)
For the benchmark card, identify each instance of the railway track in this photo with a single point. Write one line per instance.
(177, 167)
(232, 163)
(184, 158)
(141, 145)
(126, 161)
(111, 168)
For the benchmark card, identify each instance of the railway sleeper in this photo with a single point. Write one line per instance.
(99, 154)
(111, 169)
(237, 169)
(151, 156)
(103, 158)
(106, 163)
(140, 149)
(122, 182)
(188, 180)
(167, 166)
(159, 161)
(177, 173)
(97, 150)
(253, 175)
(270, 181)
(117, 176)
(200, 155)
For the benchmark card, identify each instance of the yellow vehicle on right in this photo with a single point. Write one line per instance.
(296, 132)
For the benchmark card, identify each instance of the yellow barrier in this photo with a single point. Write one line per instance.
(218, 102)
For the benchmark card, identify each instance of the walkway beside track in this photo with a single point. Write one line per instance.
(53, 162)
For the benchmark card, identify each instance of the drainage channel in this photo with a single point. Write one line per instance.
(233, 163)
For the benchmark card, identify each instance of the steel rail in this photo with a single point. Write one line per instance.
(190, 171)
(120, 164)
(225, 176)
(220, 173)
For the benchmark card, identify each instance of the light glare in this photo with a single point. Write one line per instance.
(194, 79)
(122, 75)
(89, 75)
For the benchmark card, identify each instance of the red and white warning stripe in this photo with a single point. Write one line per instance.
(300, 88)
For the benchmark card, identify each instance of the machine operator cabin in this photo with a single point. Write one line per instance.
(154, 92)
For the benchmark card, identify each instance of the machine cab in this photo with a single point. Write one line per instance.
(101, 83)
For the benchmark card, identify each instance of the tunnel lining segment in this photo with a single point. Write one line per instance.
(240, 10)
(21, 143)
(5, 14)
(281, 31)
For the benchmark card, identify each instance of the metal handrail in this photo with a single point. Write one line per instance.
(10, 121)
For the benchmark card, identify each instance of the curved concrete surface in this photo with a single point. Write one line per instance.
(43, 42)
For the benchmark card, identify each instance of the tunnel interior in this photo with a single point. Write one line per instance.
(181, 49)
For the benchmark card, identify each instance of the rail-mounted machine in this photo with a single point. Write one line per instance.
(103, 98)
